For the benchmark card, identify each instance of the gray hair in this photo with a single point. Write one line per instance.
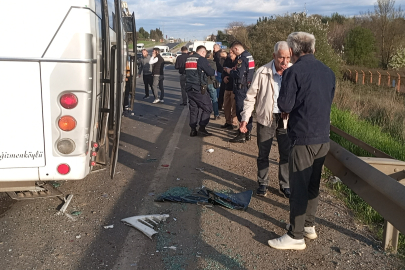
(301, 43)
(281, 45)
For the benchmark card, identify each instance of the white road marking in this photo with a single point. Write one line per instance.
(131, 251)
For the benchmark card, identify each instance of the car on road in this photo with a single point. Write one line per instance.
(169, 57)
(178, 53)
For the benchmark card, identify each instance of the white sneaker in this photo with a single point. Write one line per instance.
(309, 232)
(162, 101)
(156, 101)
(286, 242)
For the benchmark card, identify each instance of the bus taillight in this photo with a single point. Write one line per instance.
(68, 101)
(67, 123)
(66, 146)
(63, 169)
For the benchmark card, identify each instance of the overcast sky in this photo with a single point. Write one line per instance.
(196, 19)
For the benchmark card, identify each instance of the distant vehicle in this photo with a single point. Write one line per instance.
(140, 47)
(163, 49)
(190, 48)
(171, 40)
(178, 53)
(208, 44)
(169, 57)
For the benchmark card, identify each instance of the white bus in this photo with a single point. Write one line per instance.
(62, 78)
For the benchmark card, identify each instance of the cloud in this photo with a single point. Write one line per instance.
(199, 18)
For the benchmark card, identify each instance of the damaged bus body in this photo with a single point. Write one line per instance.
(63, 71)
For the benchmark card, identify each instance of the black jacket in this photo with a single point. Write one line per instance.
(219, 61)
(229, 64)
(210, 79)
(243, 74)
(197, 70)
(306, 93)
(181, 63)
(157, 68)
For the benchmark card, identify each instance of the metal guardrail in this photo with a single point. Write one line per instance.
(378, 181)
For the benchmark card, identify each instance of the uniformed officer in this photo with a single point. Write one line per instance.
(197, 69)
(242, 74)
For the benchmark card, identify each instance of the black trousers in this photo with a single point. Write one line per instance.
(240, 96)
(221, 96)
(305, 168)
(200, 108)
(265, 135)
(148, 81)
(127, 92)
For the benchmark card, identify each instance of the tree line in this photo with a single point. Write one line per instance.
(372, 39)
(155, 34)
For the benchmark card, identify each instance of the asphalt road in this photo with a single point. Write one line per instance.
(157, 154)
(32, 236)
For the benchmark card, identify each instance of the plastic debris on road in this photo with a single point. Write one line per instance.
(165, 165)
(145, 223)
(209, 150)
(76, 213)
(109, 227)
(238, 201)
(171, 247)
(66, 204)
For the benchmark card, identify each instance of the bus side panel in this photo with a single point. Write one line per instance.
(75, 40)
(21, 138)
(60, 78)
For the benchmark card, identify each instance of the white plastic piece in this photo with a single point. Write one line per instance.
(109, 227)
(210, 150)
(65, 205)
(143, 223)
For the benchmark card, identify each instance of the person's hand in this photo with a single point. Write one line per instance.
(242, 127)
(284, 115)
(226, 79)
(227, 70)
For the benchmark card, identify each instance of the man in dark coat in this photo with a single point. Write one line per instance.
(306, 94)
(197, 70)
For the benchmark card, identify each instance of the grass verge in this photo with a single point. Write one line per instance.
(372, 135)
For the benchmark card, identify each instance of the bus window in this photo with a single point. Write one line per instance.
(111, 14)
(98, 9)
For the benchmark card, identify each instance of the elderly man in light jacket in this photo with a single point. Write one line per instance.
(264, 92)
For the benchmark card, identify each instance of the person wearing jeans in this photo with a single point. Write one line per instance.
(211, 90)
(157, 63)
(146, 70)
(306, 94)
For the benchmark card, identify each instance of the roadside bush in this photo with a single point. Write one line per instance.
(270, 30)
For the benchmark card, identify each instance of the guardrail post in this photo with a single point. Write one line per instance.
(399, 82)
(371, 77)
(379, 78)
(364, 76)
(357, 76)
(391, 235)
